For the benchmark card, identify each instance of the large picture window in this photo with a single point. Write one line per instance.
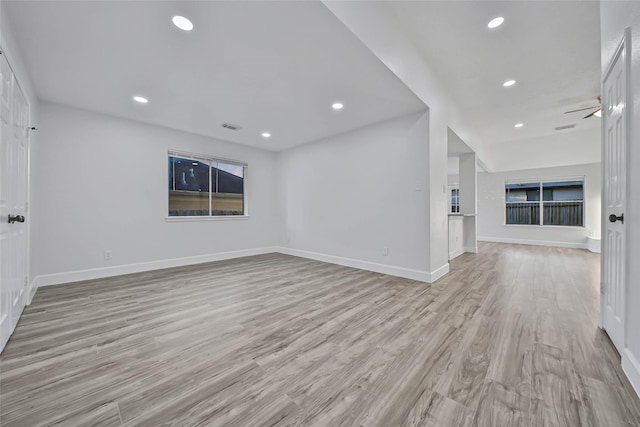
(202, 186)
(558, 202)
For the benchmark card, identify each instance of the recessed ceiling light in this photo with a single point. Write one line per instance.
(509, 83)
(182, 23)
(337, 106)
(266, 135)
(140, 99)
(518, 125)
(495, 22)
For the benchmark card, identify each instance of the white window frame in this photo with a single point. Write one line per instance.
(209, 159)
(451, 188)
(541, 182)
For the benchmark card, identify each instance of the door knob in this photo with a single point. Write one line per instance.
(16, 218)
(614, 218)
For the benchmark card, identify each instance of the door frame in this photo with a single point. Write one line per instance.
(29, 286)
(623, 47)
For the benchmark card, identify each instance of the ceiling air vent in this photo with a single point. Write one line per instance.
(565, 127)
(230, 126)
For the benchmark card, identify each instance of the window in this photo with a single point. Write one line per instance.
(545, 203)
(455, 201)
(523, 203)
(563, 203)
(201, 186)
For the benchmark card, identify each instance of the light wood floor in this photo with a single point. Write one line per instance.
(508, 338)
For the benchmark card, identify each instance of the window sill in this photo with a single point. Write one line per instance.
(205, 218)
(572, 227)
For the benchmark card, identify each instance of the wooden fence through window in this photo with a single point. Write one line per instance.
(554, 213)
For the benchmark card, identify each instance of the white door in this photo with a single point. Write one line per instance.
(14, 118)
(614, 124)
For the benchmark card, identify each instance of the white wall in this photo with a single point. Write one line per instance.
(467, 180)
(349, 196)
(453, 166)
(561, 149)
(614, 18)
(374, 24)
(101, 183)
(491, 209)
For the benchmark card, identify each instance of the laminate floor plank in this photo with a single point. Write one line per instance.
(435, 410)
(508, 338)
(501, 406)
(557, 398)
(464, 379)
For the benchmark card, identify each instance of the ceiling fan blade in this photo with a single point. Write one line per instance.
(582, 109)
(591, 114)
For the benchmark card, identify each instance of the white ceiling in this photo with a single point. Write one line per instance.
(266, 66)
(551, 48)
(278, 66)
(455, 145)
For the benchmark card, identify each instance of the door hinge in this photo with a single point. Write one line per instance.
(603, 288)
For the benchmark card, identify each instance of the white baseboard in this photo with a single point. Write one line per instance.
(631, 367)
(471, 249)
(456, 253)
(407, 273)
(438, 273)
(117, 270)
(534, 242)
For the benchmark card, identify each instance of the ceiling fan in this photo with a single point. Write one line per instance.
(597, 110)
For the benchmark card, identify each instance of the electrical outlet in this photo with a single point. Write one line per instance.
(108, 254)
(385, 251)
